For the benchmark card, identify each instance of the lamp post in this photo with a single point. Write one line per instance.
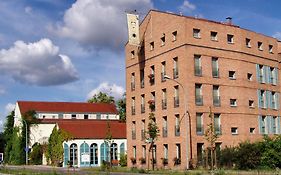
(189, 123)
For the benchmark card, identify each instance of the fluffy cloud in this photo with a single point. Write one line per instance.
(37, 63)
(113, 90)
(99, 24)
(277, 35)
(9, 108)
(187, 6)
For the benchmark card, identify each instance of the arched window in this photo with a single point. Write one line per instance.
(73, 154)
(94, 154)
(104, 148)
(113, 151)
(84, 154)
(122, 148)
(65, 154)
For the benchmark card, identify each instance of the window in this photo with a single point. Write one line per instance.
(163, 71)
(175, 69)
(143, 151)
(133, 107)
(94, 154)
(217, 124)
(273, 75)
(133, 130)
(164, 99)
(234, 130)
(230, 39)
(214, 36)
(261, 73)
(200, 153)
(270, 48)
(73, 116)
(163, 40)
(152, 46)
(198, 95)
(86, 116)
(152, 102)
(134, 152)
(260, 45)
(142, 129)
(104, 152)
(60, 116)
(133, 86)
(248, 42)
(196, 33)
(197, 65)
(165, 151)
(178, 153)
(249, 76)
(73, 155)
(165, 127)
(176, 96)
(151, 76)
(251, 103)
(233, 102)
(252, 130)
(262, 124)
(132, 54)
(175, 34)
(177, 125)
(261, 98)
(231, 75)
(215, 67)
(274, 124)
(113, 152)
(142, 78)
(199, 123)
(216, 96)
(98, 116)
(142, 104)
(274, 100)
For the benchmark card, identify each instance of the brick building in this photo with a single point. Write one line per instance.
(197, 64)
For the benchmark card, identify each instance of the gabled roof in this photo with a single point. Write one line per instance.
(90, 129)
(64, 107)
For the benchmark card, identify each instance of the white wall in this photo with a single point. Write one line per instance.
(40, 133)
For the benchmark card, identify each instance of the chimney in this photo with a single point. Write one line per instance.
(229, 20)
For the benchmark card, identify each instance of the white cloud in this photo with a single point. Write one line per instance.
(277, 35)
(187, 6)
(112, 90)
(9, 108)
(99, 24)
(37, 63)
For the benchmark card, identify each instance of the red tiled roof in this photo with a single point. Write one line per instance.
(66, 107)
(90, 129)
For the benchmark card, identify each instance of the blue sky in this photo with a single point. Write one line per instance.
(67, 50)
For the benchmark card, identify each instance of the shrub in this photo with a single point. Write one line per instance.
(123, 160)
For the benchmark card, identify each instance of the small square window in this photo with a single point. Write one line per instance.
(163, 40)
(73, 116)
(250, 76)
(175, 34)
(251, 103)
(214, 36)
(260, 45)
(132, 54)
(86, 116)
(270, 48)
(252, 130)
(231, 75)
(233, 102)
(248, 42)
(152, 46)
(234, 130)
(230, 38)
(196, 33)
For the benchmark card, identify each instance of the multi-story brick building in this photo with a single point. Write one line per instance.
(197, 64)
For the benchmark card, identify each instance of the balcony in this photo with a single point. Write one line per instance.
(215, 73)
(198, 71)
(165, 132)
(175, 73)
(142, 134)
(142, 108)
(133, 109)
(163, 76)
(133, 86)
(200, 130)
(133, 135)
(199, 100)
(176, 102)
(164, 104)
(177, 130)
(216, 101)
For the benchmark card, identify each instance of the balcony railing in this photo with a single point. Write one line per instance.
(199, 100)
(175, 73)
(176, 102)
(133, 134)
(165, 132)
(164, 104)
(163, 76)
(142, 134)
(200, 130)
(216, 101)
(177, 130)
(142, 108)
(133, 86)
(198, 71)
(133, 109)
(215, 73)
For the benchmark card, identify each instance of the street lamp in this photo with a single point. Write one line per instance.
(26, 144)
(185, 114)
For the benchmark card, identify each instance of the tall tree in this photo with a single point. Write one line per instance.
(101, 97)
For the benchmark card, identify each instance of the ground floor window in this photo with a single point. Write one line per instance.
(73, 154)
(94, 154)
(113, 151)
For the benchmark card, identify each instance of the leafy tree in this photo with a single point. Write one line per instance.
(271, 154)
(123, 160)
(55, 150)
(16, 149)
(101, 98)
(7, 134)
(36, 154)
(121, 107)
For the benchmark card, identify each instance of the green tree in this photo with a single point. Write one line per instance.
(8, 135)
(101, 97)
(109, 140)
(36, 154)
(16, 152)
(121, 107)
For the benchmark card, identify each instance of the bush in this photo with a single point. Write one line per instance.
(36, 154)
(123, 160)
